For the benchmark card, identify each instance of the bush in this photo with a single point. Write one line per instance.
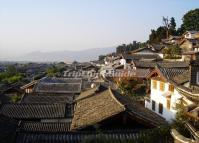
(15, 98)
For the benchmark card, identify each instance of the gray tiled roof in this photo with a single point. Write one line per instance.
(35, 111)
(58, 85)
(58, 88)
(141, 56)
(166, 64)
(7, 129)
(47, 98)
(170, 73)
(182, 78)
(44, 127)
(106, 104)
(95, 109)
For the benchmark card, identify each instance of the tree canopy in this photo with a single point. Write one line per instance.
(124, 48)
(162, 32)
(191, 20)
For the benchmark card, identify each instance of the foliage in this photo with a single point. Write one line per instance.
(172, 52)
(191, 20)
(15, 98)
(11, 70)
(181, 118)
(129, 47)
(101, 57)
(14, 79)
(11, 75)
(51, 71)
(172, 29)
(131, 88)
(162, 32)
(157, 35)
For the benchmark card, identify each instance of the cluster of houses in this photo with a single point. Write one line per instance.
(169, 81)
(64, 110)
(83, 103)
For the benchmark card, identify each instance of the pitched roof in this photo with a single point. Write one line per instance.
(60, 80)
(95, 109)
(143, 49)
(58, 88)
(36, 111)
(134, 73)
(79, 137)
(142, 56)
(106, 104)
(86, 94)
(157, 47)
(170, 73)
(138, 111)
(44, 127)
(182, 78)
(29, 98)
(7, 129)
(58, 85)
(166, 64)
(29, 84)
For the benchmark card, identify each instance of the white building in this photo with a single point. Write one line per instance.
(164, 94)
(191, 34)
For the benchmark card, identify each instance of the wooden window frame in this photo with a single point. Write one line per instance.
(171, 88)
(153, 105)
(154, 84)
(162, 86)
(160, 109)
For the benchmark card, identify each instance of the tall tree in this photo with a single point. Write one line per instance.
(172, 27)
(166, 24)
(191, 20)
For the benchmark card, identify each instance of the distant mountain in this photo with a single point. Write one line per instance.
(82, 56)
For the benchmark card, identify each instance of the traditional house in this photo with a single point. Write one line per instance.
(191, 34)
(191, 55)
(175, 39)
(108, 110)
(38, 112)
(58, 86)
(164, 95)
(189, 45)
(28, 88)
(171, 85)
(46, 99)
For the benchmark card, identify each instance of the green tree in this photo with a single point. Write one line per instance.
(172, 26)
(11, 70)
(51, 71)
(191, 20)
(15, 98)
(181, 119)
(157, 35)
(101, 57)
(172, 52)
(175, 51)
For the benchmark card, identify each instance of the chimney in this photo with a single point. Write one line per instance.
(194, 73)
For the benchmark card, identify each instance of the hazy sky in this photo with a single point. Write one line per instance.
(50, 25)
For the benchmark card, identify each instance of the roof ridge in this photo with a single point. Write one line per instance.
(113, 96)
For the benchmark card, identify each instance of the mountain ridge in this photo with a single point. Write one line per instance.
(65, 55)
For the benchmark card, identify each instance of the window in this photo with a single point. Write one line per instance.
(161, 86)
(197, 78)
(154, 84)
(160, 108)
(168, 103)
(153, 105)
(171, 88)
